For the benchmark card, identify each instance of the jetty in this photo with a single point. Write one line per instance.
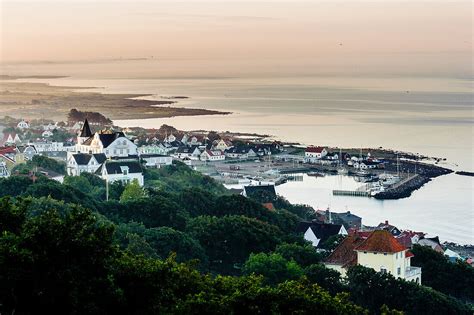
(353, 193)
(362, 191)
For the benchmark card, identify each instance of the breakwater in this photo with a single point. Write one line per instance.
(404, 190)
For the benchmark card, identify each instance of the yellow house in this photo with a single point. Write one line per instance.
(379, 251)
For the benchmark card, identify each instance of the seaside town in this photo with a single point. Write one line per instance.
(89, 143)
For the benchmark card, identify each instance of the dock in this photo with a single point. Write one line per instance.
(353, 193)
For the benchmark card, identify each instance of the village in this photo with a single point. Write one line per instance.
(120, 155)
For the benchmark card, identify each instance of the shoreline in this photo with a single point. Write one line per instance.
(38, 100)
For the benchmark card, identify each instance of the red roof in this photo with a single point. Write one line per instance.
(381, 241)
(345, 254)
(315, 149)
(269, 206)
(6, 150)
(409, 254)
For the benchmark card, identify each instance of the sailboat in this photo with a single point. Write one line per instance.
(341, 169)
(360, 172)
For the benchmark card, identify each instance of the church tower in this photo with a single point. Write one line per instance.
(85, 133)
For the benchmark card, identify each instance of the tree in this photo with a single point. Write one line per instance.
(55, 260)
(453, 278)
(326, 278)
(273, 267)
(152, 212)
(374, 289)
(229, 240)
(14, 185)
(303, 255)
(132, 191)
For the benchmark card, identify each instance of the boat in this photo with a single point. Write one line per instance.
(362, 173)
(342, 171)
(315, 174)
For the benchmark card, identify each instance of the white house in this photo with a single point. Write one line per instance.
(170, 138)
(112, 144)
(364, 165)
(317, 233)
(123, 171)
(222, 145)
(379, 251)
(312, 154)
(156, 160)
(10, 138)
(153, 149)
(47, 146)
(23, 125)
(214, 155)
(47, 134)
(383, 253)
(243, 152)
(28, 151)
(78, 163)
(3, 170)
(188, 152)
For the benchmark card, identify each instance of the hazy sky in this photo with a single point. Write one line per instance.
(434, 35)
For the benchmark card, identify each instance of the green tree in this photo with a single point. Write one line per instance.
(452, 278)
(304, 255)
(132, 191)
(273, 267)
(374, 289)
(326, 278)
(229, 240)
(55, 259)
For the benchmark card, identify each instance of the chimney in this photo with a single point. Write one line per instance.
(386, 222)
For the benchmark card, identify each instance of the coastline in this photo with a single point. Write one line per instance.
(39, 100)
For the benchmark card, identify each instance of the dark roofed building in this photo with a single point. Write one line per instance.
(349, 220)
(86, 130)
(388, 227)
(123, 171)
(344, 256)
(318, 233)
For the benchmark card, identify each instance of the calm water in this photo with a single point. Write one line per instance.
(430, 116)
(442, 207)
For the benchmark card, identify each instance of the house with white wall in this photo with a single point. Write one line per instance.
(317, 232)
(23, 125)
(122, 171)
(212, 155)
(78, 163)
(380, 251)
(156, 160)
(313, 154)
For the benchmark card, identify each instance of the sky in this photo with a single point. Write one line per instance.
(424, 36)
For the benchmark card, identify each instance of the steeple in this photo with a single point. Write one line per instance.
(86, 130)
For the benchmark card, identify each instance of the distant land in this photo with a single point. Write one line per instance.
(39, 100)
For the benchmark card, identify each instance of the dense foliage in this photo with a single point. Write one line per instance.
(60, 258)
(183, 244)
(42, 162)
(456, 279)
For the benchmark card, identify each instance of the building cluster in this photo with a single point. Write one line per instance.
(119, 155)
(321, 155)
(384, 247)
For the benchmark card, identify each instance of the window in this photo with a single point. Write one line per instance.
(399, 271)
(385, 254)
(383, 270)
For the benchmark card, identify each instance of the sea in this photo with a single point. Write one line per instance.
(428, 115)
